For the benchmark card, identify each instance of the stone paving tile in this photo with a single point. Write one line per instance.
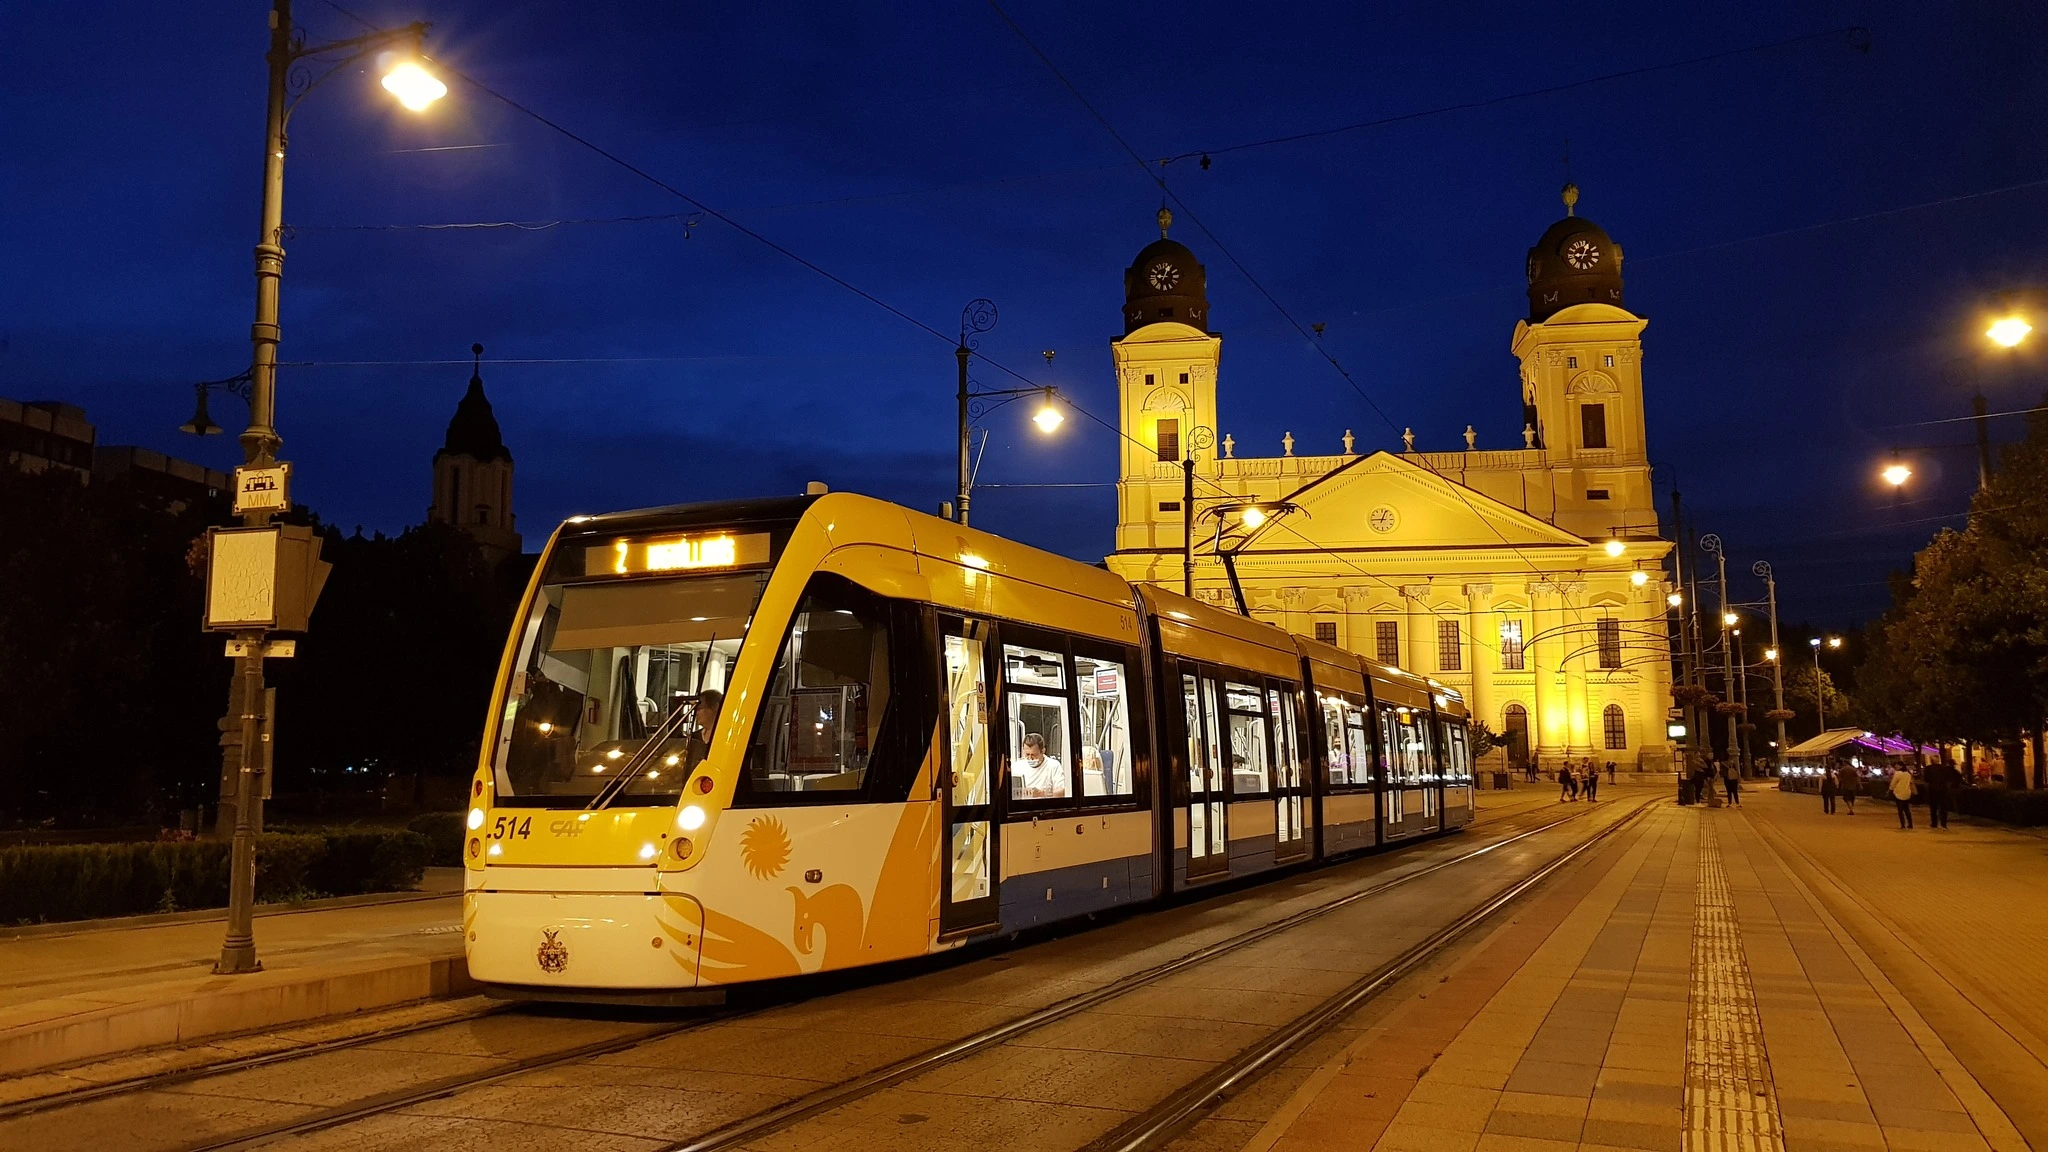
(1580, 1042)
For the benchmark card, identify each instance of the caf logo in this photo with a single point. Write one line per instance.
(552, 955)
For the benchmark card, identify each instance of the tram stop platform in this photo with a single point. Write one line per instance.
(1756, 977)
(74, 992)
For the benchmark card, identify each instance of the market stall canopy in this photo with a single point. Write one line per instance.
(1835, 740)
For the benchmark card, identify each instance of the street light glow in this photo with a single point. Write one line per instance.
(1834, 641)
(2008, 331)
(1770, 653)
(1616, 547)
(1674, 599)
(1252, 517)
(1048, 418)
(1815, 642)
(1729, 618)
(1639, 577)
(1896, 474)
(414, 86)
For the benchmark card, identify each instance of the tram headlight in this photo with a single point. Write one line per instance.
(476, 819)
(690, 818)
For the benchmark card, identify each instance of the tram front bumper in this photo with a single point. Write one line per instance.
(579, 940)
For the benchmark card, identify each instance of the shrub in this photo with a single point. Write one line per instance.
(444, 832)
(86, 881)
(2005, 805)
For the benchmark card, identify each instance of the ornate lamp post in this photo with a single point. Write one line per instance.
(1711, 543)
(1775, 655)
(978, 317)
(291, 78)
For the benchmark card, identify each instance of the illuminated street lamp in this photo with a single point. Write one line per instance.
(1820, 708)
(1896, 474)
(1616, 547)
(1729, 618)
(1674, 599)
(408, 80)
(1639, 578)
(1048, 417)
(2008, 331)
(1771, 654)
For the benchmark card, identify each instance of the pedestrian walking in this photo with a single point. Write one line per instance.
(1610, 771)
(1592, 783)
(1828, 788)
(1567, 783)
(1851, 781)
(1902, 794)
(1941, 780)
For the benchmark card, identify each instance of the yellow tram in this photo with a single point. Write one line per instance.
(749, 740)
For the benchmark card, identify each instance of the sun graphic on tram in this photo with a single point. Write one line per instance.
(764, 847)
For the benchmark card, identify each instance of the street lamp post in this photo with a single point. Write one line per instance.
(978, 317)
(1763, 568)
(1820, 706)
(2006, 332)
(414, 87)
(1711, 542)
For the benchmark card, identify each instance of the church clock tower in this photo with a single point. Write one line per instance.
(1166, 365)
(1582, 380)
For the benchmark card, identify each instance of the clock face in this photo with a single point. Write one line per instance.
(1164, 276)
(1581, 253)
(1382, 519)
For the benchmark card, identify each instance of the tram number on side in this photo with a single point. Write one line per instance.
(506, 827)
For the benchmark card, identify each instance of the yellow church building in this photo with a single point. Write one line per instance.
(1529, 578)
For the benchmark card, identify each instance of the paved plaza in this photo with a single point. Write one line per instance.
(1754, 977)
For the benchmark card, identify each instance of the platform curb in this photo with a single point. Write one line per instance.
(74, 1029)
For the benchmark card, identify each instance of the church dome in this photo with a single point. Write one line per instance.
(1165, 284)
(474, 430)
(1576, 262)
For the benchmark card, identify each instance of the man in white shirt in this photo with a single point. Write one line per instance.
(1044, 776)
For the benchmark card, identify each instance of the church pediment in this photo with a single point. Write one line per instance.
(1385, 502)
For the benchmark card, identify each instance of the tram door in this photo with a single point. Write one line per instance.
(1291, 817)
(1208, 842)
(967, 789)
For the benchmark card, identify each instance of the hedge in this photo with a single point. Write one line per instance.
(444, 832)
(2005, 805)
(87, 881)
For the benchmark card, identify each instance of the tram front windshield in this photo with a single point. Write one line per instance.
(605, 668)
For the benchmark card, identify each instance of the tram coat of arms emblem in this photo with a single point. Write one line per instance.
(552, 955)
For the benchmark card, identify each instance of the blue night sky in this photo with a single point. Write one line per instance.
(1814, 232)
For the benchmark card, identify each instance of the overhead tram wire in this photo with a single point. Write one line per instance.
(1159, 179)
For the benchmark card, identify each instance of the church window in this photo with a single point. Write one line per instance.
(1615, 725)
(1592, 425)
(1609, 633)
(1169, 505)
(1148, 379)
(1449, 652)
(1167, 436)
(1596, 493)
(1326, 631)
(1607, 361)
(1571, 361)
(1511, 645)
(1183, 377)
(1386, 635)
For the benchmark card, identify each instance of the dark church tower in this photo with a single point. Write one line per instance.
(473, 474)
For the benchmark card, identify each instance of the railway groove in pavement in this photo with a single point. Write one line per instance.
(782, 1116)
(839, 1095)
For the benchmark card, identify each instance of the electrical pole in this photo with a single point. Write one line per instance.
(1763, 568)
(1712, 543)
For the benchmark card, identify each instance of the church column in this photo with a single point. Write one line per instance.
(1351, 630)
(1549, 720)
(1579, 637)
(1294, 616)
(1421, 629)
(1481, 649)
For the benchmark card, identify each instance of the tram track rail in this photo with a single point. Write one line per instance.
(749, 1127)
(846, 1092)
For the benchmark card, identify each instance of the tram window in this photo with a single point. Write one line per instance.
(836, 706)
(1349, 745)
(1456, 751)
(1038, 735)
(1034, 667)
(607, 666)
(1405, 745)
(1286, 748)
(1105, 727)
(1249, 775)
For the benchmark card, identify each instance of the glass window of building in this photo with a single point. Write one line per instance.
(1386, 635)
(1615, 724)
(1592, 425)
(1511, 645)
(1450, 655)
(1608, 630)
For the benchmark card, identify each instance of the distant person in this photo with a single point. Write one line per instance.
(1567, 783)
(1731, 781)
(1851, 782)
(1529, 769)
(1610, 771)
(1040, 775)
(1592, 783)
(1901, 788)
(1828, 789)
(1940, 784)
